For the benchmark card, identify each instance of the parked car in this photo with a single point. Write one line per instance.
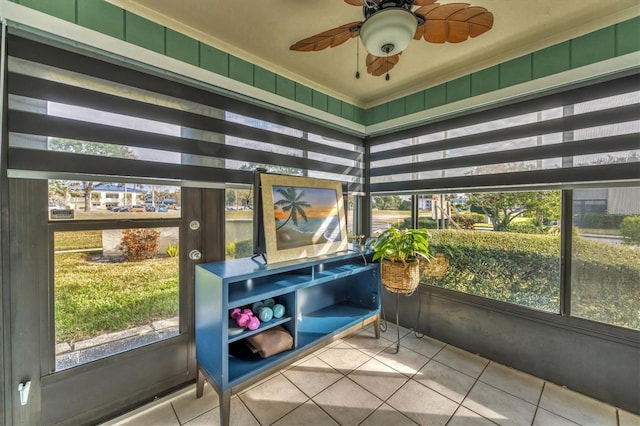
(122, 209)
(138, 208)
(162, 208)
(149, 208)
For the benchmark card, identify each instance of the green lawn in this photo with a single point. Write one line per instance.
(74, 240)
(92, 298)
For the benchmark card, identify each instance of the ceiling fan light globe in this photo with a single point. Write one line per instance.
(391, 28)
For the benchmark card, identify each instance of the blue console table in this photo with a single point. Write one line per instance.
(323, 297)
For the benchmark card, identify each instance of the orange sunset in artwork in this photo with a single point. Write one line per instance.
(305, 216)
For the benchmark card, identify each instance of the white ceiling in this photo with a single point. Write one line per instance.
(261, 31)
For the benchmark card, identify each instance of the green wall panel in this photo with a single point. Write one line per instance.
(348, 111)
(628, 36)
(214, 60)
(320, 100)
(304, 94)
(182, 47)
(396, 108)
(102, 17)
(378, 113)
(285, 87)
(264, 79)
(144, 33)
(334, 106)
(435, 96)
(486, 80)
(414, 102)
(360, 115)
(240, 70)
(552, 60)
(515, 71)
(458, 89)
(63, 9)
(593, 47)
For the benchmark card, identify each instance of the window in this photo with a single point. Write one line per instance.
(390, 210)
(504, 246)
(605, 266)
(115, 288)
(238, 229)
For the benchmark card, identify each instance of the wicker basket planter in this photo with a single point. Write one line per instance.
(400, 277)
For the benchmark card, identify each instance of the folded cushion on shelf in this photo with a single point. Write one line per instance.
(270, 342)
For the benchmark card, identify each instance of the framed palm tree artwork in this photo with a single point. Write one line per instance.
(303, 217)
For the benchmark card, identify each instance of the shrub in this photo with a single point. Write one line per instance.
(602, 220)
(525, 269)
(467, 220)
(139, 244)
(172, 251)
(230, 249)
(630, 230)
(423, 222)
(244, 248)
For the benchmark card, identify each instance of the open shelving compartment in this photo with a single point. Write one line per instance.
(322, 297)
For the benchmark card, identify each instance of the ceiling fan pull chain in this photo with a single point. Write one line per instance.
(386, 77)
(357, 59)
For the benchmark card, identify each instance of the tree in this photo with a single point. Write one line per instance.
(503, 207)
(89, 148)
(293, 204)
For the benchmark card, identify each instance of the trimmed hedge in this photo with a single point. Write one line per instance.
(525, 269)
(602, 220)
(630, 230)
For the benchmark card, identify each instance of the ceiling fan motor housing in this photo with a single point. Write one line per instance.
(372, 6)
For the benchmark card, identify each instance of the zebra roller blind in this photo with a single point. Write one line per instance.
(72, 114)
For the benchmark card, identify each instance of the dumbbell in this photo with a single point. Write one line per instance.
(245, 318)
(278, 310)
(269, 303)
(266, 314)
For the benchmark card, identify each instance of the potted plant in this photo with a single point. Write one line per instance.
(399, 251)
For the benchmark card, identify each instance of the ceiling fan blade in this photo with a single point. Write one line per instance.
(330, 38)
(423, 12)
(454, 22)
(421, 2)
(378, 65)
(355, 2)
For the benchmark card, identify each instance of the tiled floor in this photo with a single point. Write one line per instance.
(358, 381)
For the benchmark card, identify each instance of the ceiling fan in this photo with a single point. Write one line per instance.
(389, 26)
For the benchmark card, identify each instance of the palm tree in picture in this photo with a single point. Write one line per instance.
(293, 204)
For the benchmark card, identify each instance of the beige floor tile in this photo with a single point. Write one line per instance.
(576, 407)
(445, 380)
(386, 415)
(378, 378)
(156, 415)
(306, 414)
(188, 407)
(273, 399)
(513, 381)
(422, 405)
(313, 376)
(547, 418)
(405, 361)
(239, 415)
(391, 332)
(466, 417)
(347, 402)
(426, 345)
(499, 406)
(461, 360)
(344, 359)
(368, 344)
(628, 419)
